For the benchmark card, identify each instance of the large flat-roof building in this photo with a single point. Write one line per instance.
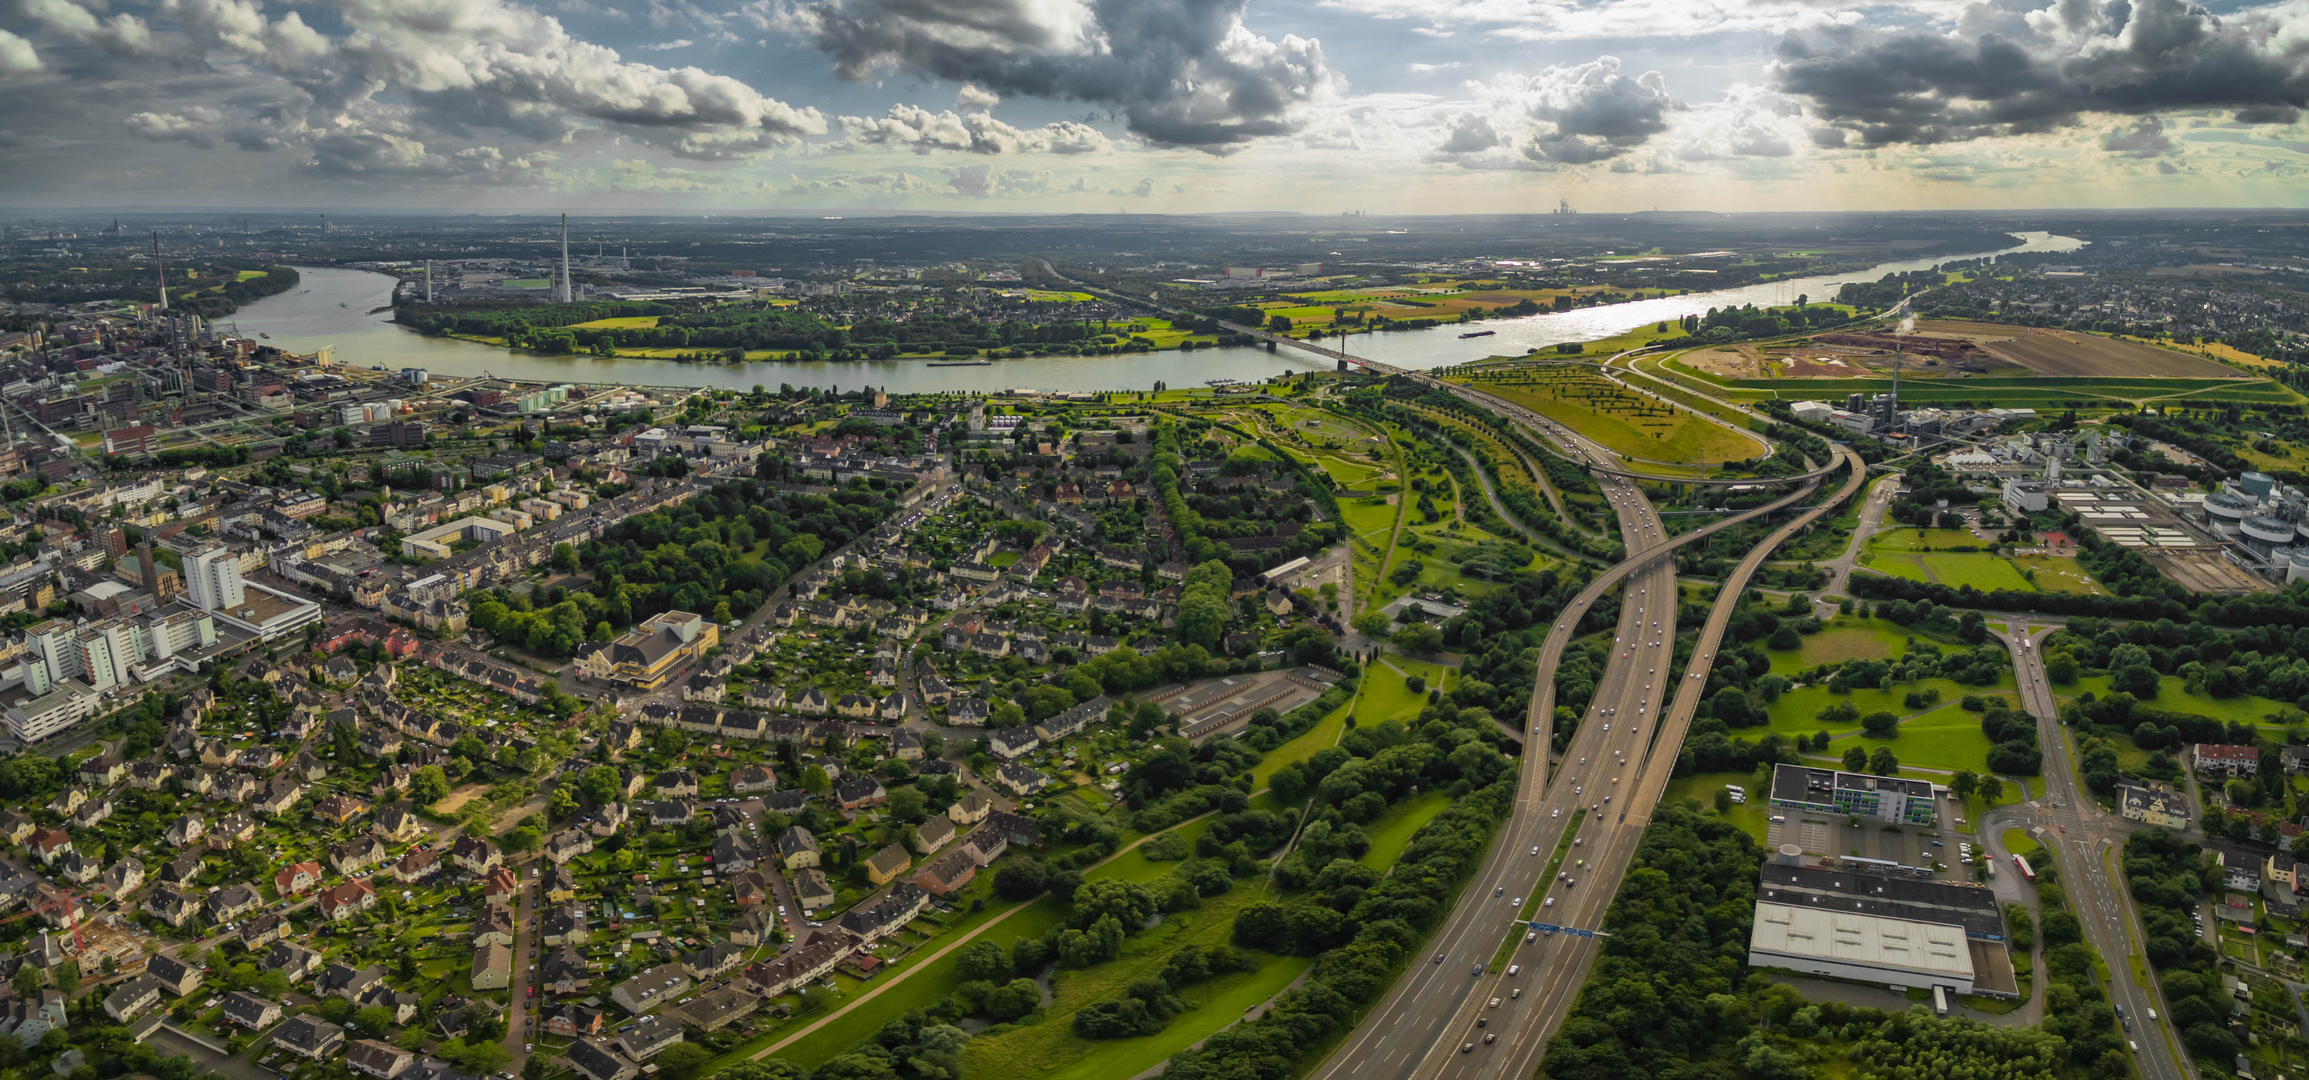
(648, 655)
(1864, 948)
(1833, 791)
(1971, 908)
(435, 543)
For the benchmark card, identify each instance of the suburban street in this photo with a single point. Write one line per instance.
(2088, 846)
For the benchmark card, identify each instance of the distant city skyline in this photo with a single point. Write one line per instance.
(1174, 106)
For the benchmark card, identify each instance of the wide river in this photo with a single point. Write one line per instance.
(333, 307)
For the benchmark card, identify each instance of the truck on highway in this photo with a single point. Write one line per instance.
(2027, 873)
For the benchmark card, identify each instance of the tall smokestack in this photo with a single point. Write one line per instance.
(144, 568)
(428, 281)
(161, 270)
(568, 294)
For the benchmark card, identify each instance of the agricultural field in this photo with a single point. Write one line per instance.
(2032, 391)
(625, 322)
(2071, 353)
(1621, 421)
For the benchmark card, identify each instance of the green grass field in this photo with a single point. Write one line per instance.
(1682, 438)
(1987, 573)
(2059, 574)
(1347, 474)
(1751, 816)
(246, 275)
(1392, 832)
(2174, 696)
(1797, 711)
(1051, 1049)
(1945, 738)
(1906, 539)
(1848, 637)
(1386, 696)
(1369, 518)
(1326, 732)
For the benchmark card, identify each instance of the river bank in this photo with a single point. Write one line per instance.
(351, 311)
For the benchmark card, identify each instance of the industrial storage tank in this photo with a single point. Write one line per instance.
(2297, 565)
(2266, 534)
(2226, 512)
(2257, 484)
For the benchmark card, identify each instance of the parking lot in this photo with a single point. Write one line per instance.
(1907, 846)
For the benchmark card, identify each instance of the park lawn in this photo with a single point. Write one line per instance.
(1848, 637)
(1391, 833)
(1904, 538)
(2173, 695)
(919, 991)
(1387, 697)
(1987, 573)
(622, 322)
(1371, 518)
(1002, 559)
(1040, 1050)
(1797, 711)
(1347, 474)
(938, 980)
(2059, 573)
(1212, 1006)
(1133, 865)
(1751, 816)
(246, 275)
(1945, 738)
(1325, 733)
(1685, 438)
(1899, 564)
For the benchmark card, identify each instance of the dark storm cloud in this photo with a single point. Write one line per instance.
(1178, 72)
(2047, 67)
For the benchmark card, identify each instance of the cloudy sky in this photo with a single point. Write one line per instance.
(1153, 105)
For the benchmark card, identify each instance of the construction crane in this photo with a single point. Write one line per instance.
(55, 898)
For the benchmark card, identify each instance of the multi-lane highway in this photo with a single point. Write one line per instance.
(1552, 967)
(1437, 1018)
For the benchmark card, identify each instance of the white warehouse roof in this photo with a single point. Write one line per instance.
(1902, 945)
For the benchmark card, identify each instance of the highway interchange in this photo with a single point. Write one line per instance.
(1453, 1014)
